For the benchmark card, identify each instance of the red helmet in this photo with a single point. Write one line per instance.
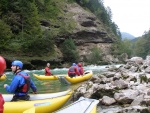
(80, 65)
(2, 65)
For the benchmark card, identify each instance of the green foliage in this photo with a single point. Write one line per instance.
(141, 46)
(102, 13)
(138, 48)
(30, 19)
(121, 47)
(15, 46)
(127, 47)
(31, 31)
(69, 51)
(4, 6)
(54, 11)
(47, 42)
(95, 56)
(48, 9)
(71, 1)
(115, 30)
(20, 21)
(5, 35)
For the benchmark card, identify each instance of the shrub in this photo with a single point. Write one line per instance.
(5, 35)
(95, 56)
(69, 51)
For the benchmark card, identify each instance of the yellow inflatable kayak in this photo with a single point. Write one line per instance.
(42, 103)
(3, 77)
(83, 105)
(43, 77)
(66, 79)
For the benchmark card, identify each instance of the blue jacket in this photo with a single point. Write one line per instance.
(19, 81)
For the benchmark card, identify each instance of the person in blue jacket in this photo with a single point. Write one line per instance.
(21, 83)
(73, 71)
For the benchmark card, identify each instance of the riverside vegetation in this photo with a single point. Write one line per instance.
(37, 29)
(64, 30)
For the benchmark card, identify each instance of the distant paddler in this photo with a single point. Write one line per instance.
(47, 70)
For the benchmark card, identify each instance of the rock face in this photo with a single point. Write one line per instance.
(126, 87)
(88, 33)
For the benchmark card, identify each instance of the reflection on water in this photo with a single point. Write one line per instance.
(54, 85)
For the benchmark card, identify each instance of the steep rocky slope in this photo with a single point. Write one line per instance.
(89, 32)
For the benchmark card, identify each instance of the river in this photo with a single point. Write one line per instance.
(51, 86)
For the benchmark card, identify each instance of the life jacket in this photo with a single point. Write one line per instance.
(72, 69)
(79, 69)
(47, 71)
(25, 88)
(1, 103)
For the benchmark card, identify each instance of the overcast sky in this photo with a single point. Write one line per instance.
(131, 16)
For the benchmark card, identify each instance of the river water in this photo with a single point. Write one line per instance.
(51, 86)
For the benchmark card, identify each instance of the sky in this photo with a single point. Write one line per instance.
(131, 16)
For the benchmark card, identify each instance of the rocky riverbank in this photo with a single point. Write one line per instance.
(120, 90)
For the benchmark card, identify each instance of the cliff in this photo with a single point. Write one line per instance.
(88, 32)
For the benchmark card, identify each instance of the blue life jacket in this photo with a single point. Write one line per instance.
(72, 69)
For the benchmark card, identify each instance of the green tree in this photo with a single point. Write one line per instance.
(5, 35)
(139, 49)
(4, 6)
(31, 31)
(95, 56)
(141, 46)
(50, 9)
(102, 13)
(127, 47)
(69, 51)
(120, 47)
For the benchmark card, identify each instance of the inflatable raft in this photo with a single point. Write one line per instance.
(83, 105)
(43, 77)
(68, 80)
(43, 103)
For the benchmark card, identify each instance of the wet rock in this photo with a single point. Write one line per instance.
(126, 96)
(107, 100)
(121, 84)
(127, 88)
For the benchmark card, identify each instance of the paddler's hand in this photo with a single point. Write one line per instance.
(34, 92)
(5, 85)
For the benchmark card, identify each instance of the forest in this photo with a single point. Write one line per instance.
(21, 33)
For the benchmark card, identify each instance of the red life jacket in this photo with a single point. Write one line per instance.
(47, 71)
(1, 104)
(25, 88)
